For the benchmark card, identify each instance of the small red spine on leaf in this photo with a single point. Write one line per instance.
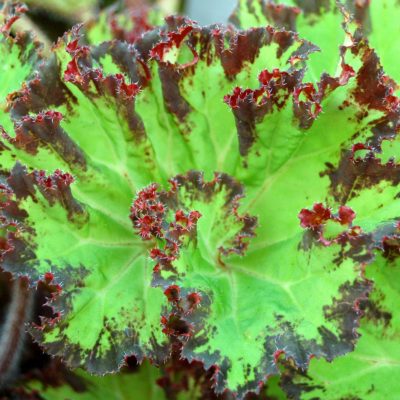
(358, 147)
(72, 73)
(147, 213)
(346, 215)
(316, 217)
(129, 91)
(58, 180)
(277, 355)
(193, 299)
(174, 39)
(174, 325)
(173, 293)
(48, 277)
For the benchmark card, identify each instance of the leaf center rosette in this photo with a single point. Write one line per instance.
(227, 309)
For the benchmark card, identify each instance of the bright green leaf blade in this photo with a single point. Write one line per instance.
(308, 18)
(382, 29)
(287, 166)
(108, 307)
(19, 58)
(372, 371)
(241, 314)
(193, 128)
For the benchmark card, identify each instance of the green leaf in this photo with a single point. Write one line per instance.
(108, 308)
(215, 310)
(308, 18)
(18, 57)
(286, 166)
(184, 98)
(379, 24)
(372, 371)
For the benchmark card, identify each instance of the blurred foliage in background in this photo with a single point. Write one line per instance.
(49, 19)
